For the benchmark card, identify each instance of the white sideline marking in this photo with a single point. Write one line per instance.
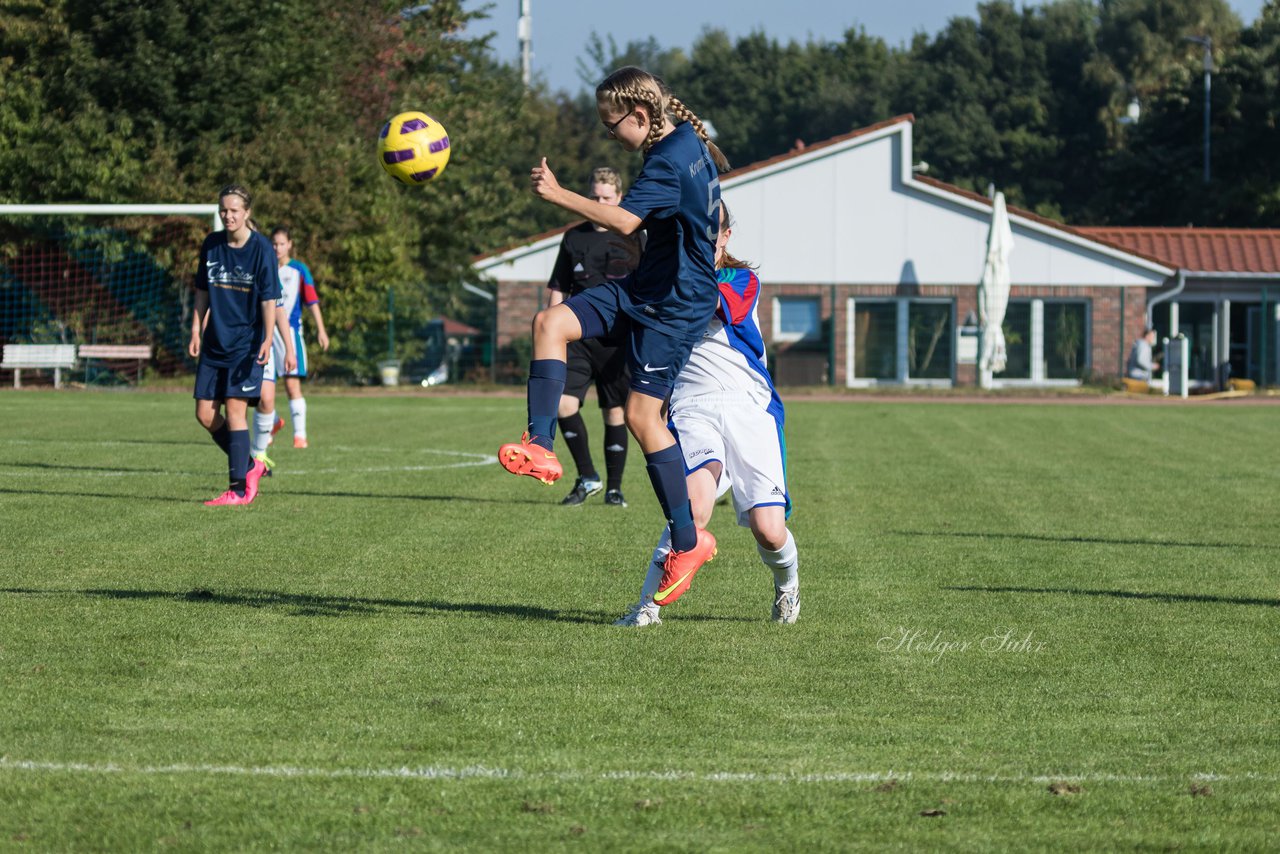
(483, 772)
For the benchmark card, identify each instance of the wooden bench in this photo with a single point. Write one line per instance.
(89, 352)
(38, 357)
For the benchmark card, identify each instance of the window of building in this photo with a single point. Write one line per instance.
(1198, 321)
(901, 340)
(930, 333)
(1065, 340)
(875, 341)
(1017, 341)
(1046, 341)
(797, 319)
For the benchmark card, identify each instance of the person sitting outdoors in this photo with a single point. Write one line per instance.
(1141, 365)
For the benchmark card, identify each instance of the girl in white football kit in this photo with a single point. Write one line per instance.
(728, 419)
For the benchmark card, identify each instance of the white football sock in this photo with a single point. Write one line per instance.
(785, 563)
(653, 575)
(298, 412)
(262, 424)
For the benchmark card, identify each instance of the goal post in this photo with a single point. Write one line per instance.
(114, 210)
(107, 274)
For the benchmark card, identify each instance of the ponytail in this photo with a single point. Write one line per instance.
(629, 87)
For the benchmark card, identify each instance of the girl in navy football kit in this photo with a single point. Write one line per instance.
(661, 309)
(235, 301)
(729, 420)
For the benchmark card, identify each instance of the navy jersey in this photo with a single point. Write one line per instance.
(677, 195)
(238, 282)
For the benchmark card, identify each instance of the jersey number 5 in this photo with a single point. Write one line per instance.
(713, 210)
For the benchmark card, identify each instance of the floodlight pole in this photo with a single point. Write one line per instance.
(524, 32)
(1207, 43)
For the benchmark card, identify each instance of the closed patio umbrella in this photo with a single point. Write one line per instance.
(993, 294)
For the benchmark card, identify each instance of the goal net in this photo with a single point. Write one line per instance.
(101, 274)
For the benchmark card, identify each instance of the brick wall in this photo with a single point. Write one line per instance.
(518, 302)
(1110, 334)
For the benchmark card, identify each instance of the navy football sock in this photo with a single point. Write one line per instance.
(546, 384)
(238, 459)
(666, 471)
(574, 431)
(222, 438)
(615, 453)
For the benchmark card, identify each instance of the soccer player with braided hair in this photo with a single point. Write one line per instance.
(660, 310)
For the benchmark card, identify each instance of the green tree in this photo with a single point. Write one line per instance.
(1246, 135)
(992, 95)
(167, 101)
(1156, 178)
(763, 96)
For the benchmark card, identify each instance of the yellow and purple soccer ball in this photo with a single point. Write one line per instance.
(413, 148)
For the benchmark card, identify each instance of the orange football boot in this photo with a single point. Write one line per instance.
(275, 428)
(256, 472)
(228, 498)
(680, 567)
(524, 457)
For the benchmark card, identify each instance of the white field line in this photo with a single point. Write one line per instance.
(483, 772)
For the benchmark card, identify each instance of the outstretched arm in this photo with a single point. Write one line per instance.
(612, 217)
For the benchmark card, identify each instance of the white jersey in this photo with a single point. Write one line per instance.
(730, 356)
(297, 289)
(724, 407)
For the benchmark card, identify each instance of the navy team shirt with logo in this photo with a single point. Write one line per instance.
(677, 195)
(238, 282)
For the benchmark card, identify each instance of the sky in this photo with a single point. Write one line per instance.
(561, 27)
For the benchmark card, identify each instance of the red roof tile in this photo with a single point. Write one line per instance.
(1210, 250)
(462, 330)
(1086, 233)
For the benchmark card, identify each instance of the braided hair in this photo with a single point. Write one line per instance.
(630, 87)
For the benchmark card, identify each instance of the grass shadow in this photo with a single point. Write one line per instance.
(124, 472)
(269, 494)
(1127, 594)
(114, 497)
(307, 605)
(1068, 538)
(30, 440)
(285, 491)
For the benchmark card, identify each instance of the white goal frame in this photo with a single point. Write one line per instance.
(209, 210)
(76, 209)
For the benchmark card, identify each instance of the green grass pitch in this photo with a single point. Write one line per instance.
(1025, 626)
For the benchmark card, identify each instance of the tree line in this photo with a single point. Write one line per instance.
(166, 101)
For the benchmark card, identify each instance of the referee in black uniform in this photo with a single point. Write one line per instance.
(590, 256)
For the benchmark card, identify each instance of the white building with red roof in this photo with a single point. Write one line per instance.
(870, 272)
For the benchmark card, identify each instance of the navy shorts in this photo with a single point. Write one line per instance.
(220, 382)
(655, 356)
(597, 362)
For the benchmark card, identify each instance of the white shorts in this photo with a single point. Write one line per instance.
(277, 352)
(747, 441)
